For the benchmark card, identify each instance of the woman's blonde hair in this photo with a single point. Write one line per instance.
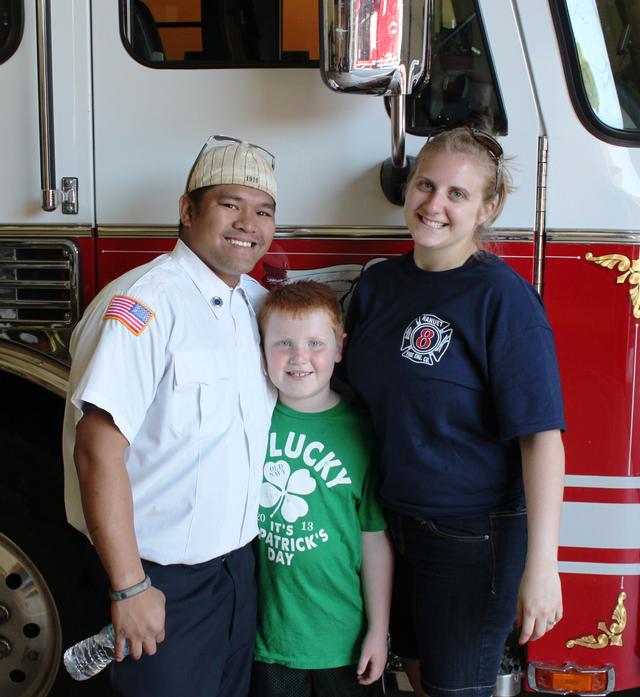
(468, 141)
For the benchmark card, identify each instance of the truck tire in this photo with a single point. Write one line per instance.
(49, 597)
(30, 636)
(47, 603)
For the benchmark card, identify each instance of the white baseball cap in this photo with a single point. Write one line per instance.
(236, 162)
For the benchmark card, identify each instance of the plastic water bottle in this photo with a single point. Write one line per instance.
(89, 656)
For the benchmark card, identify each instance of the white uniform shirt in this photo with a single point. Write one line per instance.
(189, 393)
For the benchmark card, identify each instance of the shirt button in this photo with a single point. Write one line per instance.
(217, 302)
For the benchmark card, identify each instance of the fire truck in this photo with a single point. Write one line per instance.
(106, 104)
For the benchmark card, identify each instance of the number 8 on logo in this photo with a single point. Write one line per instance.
(424, 340)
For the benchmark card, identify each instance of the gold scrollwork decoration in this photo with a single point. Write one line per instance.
(610, 636)
(630, 272)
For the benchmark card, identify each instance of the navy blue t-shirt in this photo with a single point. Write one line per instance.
(453, 366)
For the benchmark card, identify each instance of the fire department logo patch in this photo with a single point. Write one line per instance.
(426, 339)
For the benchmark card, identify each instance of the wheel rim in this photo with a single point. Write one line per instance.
(30, 636)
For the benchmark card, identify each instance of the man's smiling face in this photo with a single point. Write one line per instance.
(230, 229)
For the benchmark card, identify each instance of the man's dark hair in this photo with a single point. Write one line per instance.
(196, 197)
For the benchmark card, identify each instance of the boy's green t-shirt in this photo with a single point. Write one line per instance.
(318, 495)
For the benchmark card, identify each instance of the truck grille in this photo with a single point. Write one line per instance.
(38, 284)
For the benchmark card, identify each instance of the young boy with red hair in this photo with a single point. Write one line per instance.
(325, 561)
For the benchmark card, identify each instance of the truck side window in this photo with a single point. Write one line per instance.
(11, 25)
(463, 88)
(600, 43)
(221, 33)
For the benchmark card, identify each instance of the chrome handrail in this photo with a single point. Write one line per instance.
(540, 226)
(45, 99)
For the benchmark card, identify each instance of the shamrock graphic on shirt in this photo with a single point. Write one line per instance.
(285, 490)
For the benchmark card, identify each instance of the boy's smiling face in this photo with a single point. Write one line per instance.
(301, 352)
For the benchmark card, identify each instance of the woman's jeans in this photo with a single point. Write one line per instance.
(456, 592)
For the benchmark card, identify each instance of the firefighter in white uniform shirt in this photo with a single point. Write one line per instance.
(166, 424)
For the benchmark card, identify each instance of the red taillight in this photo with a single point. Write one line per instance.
(571, 679)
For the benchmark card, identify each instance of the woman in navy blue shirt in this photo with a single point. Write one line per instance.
(452, 352)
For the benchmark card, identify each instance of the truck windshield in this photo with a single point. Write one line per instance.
(11, 20)
(606, 38)
(222, 33)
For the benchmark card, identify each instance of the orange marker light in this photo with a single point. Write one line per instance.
(571, 679)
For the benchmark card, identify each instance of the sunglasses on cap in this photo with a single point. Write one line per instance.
(227, 140)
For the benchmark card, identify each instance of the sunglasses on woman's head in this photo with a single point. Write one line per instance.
(488, 142)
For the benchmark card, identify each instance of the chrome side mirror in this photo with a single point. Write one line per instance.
(378, 47)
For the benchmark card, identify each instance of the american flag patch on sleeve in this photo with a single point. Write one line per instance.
(135, 316)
